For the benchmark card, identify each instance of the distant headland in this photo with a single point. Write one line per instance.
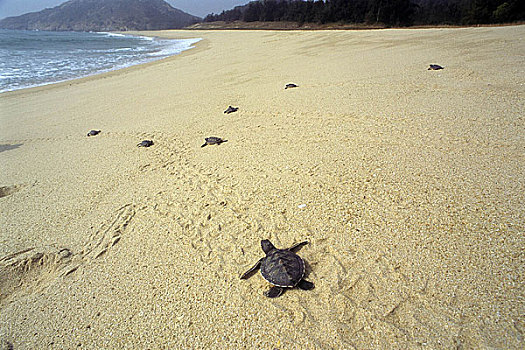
(103, 15)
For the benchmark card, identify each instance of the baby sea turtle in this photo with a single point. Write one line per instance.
(145, 143)
(282, 268)
(435, 67)
(231, 110)
(212, 140)
(93, 133)
(289, 86)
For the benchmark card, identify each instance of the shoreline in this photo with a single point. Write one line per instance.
(407, 184)
(109, 70)
(151, 34)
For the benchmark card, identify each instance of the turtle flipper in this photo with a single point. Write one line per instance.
(297, 246)
(205, 144)
(274, 292)
(251, 271)
(305, 285)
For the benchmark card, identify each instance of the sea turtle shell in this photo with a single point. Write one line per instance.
(231, 109)
(282, 268)
(93, 133)
(145, 143)
(435, 67)
(212, 140)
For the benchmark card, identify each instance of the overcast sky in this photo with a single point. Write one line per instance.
(195, 7)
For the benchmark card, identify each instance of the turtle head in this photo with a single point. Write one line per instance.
(267, 246)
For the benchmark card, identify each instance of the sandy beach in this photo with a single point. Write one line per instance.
(408, 184)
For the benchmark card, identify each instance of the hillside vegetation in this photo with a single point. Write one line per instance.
(103, 15)
(388, 12)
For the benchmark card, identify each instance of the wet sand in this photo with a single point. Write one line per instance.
(408, 183)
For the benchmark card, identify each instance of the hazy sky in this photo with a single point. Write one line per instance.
(195, 7)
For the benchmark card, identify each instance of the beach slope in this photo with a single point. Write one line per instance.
(407, 183)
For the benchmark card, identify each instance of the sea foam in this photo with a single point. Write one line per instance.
(31, 58)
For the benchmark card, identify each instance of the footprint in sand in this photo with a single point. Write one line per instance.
(31, 269)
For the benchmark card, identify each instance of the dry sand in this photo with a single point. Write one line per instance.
(413, 181)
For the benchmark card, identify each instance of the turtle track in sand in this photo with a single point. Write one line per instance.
(352, 294)
(223, 227)
(34, 269)
(205, 209)
(367, 293)
(108, 234)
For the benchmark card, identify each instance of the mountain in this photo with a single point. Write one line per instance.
(103, 15)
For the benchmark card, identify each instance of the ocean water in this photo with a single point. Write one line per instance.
(33, 58)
